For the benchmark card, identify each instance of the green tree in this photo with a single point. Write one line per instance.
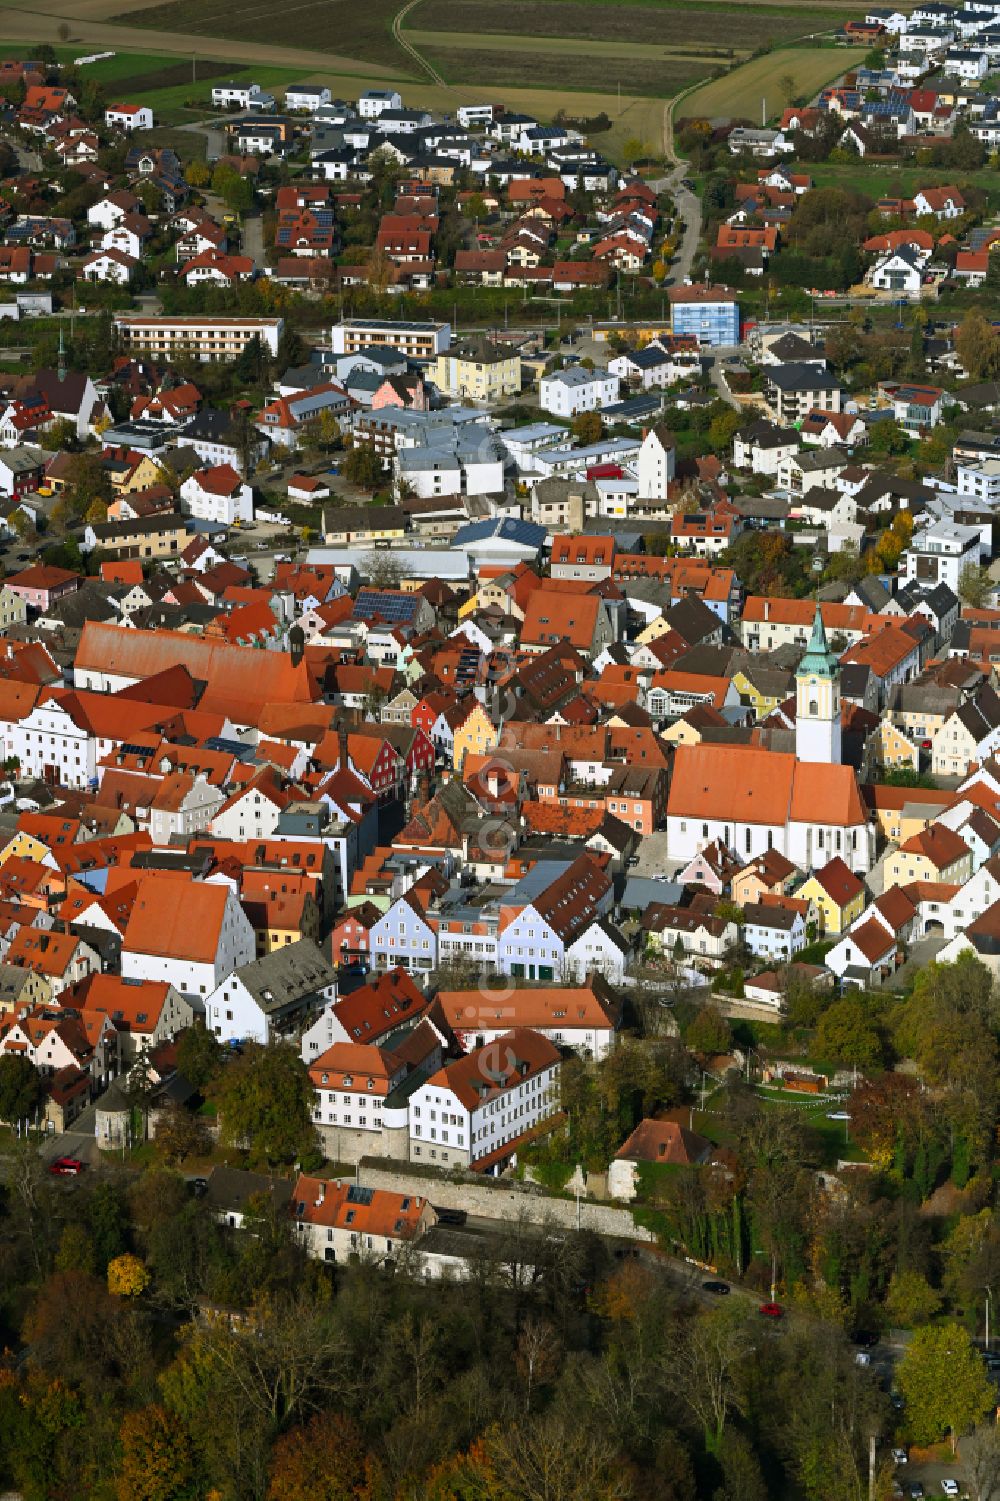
(200, 1055)
(710, 1359)
(20, 1088)
(887, 437)
(709, 1032)
(89, 481)
(944, 1384)
(847, 1034)
(108, 1220)
(975, 586)
(363, 467)
(723, 427)
(265, 1102)
(911, 1300)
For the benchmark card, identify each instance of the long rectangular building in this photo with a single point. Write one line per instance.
(419, 341)
(204, 338)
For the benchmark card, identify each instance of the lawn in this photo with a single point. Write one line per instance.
(884, 180)
(738, 95)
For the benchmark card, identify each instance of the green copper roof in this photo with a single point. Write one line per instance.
(819, 661)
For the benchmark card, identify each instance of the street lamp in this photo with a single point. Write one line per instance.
(989, 1300)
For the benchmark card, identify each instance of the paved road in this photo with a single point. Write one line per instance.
(717, 374)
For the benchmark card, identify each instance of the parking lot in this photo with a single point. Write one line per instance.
(917, 1480)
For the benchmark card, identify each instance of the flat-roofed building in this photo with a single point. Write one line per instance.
(420, 341)
(203, 337)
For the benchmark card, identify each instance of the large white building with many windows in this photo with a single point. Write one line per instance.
(202, 337)
(475, 1111)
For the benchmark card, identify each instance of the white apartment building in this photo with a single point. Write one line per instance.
(941, 554)
(203, 337)
(980, 480)
(418, 341)
(476, 1110)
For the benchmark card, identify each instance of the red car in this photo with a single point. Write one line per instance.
(66, 1167)
(772, 1310)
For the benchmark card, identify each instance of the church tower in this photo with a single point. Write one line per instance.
(817, 700)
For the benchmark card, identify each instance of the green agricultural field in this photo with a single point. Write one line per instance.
(739, 93)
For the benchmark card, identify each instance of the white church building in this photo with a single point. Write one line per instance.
(807, 806)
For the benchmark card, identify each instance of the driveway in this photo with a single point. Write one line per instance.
(717, 375)
(919, 956)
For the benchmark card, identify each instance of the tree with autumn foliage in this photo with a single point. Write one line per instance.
(884, 1113)
(322, 1460)
(156, 1463)
(127, 1276)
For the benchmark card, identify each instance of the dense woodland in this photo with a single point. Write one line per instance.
(152, 1355)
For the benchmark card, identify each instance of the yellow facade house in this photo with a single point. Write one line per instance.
(838, 895)
(936, 854)
(480, 372)
(476, 733)
(894, 748)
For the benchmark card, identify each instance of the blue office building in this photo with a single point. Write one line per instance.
(712, 314)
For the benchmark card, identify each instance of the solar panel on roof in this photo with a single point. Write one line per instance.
(394, 608)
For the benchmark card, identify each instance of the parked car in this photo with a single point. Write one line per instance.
(771, 1310)
(720, 1289)
(916, 1491)
(899, 1456)
(66, 1167)
(949, 1487)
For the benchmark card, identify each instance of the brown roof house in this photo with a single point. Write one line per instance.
(662, 1142)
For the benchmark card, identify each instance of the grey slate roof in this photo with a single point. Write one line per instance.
(286, 975)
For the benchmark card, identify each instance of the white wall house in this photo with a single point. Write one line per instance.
(52, 744)
(129, 116)
(479, 1107)
(374, 102)
(567, 392)
(192, 942)
(656, 464)
(268, 997)
(217, 494)
(940, 554)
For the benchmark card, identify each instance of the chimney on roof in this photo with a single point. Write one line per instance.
(322, 1193)
(343, 761)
